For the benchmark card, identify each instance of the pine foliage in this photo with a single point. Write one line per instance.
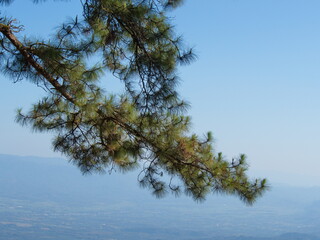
(144, 128)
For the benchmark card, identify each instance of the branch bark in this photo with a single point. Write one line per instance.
(7, 32)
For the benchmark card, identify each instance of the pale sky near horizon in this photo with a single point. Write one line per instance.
(255, 83)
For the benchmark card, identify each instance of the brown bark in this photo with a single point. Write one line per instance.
(7, 32)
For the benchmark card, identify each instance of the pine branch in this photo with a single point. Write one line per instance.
(7, 32)
(94, 132)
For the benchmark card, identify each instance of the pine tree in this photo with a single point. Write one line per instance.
(146, 127)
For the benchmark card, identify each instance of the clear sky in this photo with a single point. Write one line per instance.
(255, 84)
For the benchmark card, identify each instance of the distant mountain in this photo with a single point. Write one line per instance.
(46, 198)
(57, 180)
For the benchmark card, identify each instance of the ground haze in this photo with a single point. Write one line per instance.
(49, 199)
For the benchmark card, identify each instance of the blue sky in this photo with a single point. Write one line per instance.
(255, 84)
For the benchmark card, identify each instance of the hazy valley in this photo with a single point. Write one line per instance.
(50, 199)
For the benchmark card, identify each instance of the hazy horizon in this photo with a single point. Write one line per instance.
(274, 178)
(47, 198)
